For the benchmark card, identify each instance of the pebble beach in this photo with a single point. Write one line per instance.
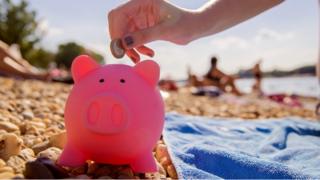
(32, 132)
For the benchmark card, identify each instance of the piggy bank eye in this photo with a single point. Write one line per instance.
(122, 80)
(101, 80)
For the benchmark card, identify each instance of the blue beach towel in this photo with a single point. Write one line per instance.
(223, 148)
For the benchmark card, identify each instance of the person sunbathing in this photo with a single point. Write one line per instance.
(214, 77)
(193, 80)
(11, 65)
(217, 78)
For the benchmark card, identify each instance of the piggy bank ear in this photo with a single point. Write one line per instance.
(149, 70)
(81, 65)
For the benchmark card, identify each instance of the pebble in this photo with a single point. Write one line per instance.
(3, 131)
(27, 154)
(18, 176)
(79, 170)
(27, 114)
(126, 171)
(23, 128)
(10, 145)
(52, 131)
(52, 153)
(165, 162)
(172, 172)
(6, 169)
(56, 170)
(161, 169)
(29, 140)
(161, 151)
(37, 124)
(153, 175)
(124, 177)
(17, 163)
(6, 172)
(2, 163)
(8, 126)
(44, 168)
(102, 170)
(7, 175)
(82, 176)
(92, 167)
(58, 140)
(36, 170)
(41, 147)
(105, 177)
(32, 130)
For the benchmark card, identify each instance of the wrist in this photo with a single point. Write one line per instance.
(193, 27)
(180, 24)
(185, 30)
(207, 20)
(196, 24)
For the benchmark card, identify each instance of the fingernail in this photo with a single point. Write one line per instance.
(133, 59)
(150, 54)
(128, 40)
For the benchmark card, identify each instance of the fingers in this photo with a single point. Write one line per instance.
(133, 55)
(145, 50)
(141, 37)
(111, 22)
(133, 30)
(137, 40)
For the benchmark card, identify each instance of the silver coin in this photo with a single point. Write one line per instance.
(116, 48)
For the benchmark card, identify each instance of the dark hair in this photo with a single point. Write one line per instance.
(214, 61)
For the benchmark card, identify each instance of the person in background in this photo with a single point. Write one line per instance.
(256, 71)
(11, 65)
(193, 80)
(167, 84)
(223, 81)
(214, 77)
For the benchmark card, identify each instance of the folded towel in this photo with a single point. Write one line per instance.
(223, 148)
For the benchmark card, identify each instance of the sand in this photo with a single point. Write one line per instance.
(248, 107)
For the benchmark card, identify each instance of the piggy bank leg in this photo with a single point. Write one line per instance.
(144, 163)
(72, 157)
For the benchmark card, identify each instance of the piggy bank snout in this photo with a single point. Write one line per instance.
(106, 114)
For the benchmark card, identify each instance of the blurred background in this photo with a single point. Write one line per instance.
(285, 38)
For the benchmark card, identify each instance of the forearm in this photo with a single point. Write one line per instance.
(219, 15)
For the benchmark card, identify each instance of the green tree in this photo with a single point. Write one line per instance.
(18, 25)
(68, 51)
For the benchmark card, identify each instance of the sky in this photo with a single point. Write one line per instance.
(284, 37)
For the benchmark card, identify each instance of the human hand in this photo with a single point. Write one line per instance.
(138, 22)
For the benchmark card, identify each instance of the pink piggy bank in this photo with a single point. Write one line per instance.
(114, 114)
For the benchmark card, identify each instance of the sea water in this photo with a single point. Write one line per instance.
(305, 86)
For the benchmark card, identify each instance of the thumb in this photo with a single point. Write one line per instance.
(141, 37)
